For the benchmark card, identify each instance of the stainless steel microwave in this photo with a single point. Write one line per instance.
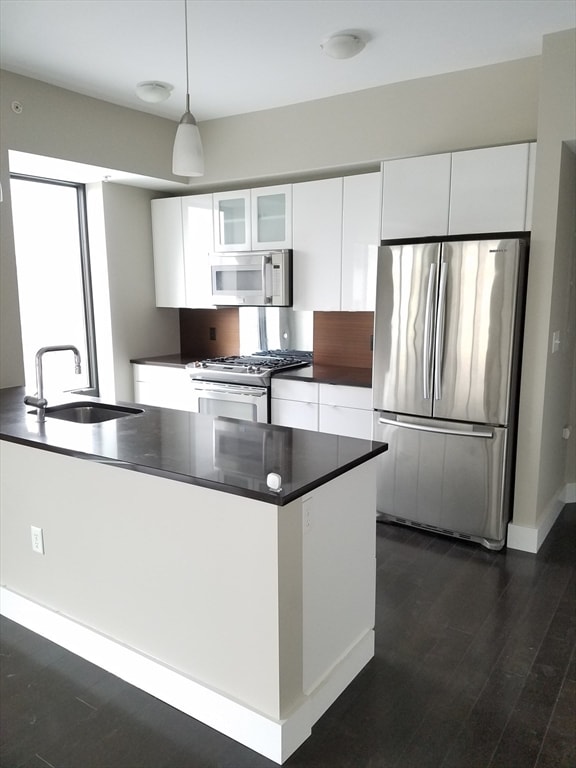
(252, 278)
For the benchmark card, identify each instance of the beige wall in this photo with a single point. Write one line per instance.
(478, 107)
(139, 328)
(547, 379)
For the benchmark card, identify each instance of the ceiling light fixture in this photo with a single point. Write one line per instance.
(153, 91)
(343, 45)
(188, 156)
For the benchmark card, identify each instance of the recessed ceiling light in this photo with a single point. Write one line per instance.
(153, 91)
(343, 45)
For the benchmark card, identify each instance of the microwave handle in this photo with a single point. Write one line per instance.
(266, 261)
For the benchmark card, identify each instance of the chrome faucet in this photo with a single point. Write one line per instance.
(39, 401)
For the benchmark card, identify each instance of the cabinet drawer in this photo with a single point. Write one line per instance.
(349, 397)
(287, 389)
(350, 422)
(160, 374)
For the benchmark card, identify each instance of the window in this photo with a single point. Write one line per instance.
(54, 284)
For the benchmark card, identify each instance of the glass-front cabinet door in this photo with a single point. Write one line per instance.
(253, 220)
(232, 221)
(272, 217)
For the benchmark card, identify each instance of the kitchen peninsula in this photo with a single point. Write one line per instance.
(153, 546)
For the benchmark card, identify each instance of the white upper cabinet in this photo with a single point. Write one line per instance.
(415, 196)
(254, 219)
(169, 274)
(198, 239)
(360, 240)
(232, 221)
(470, 192)
(489, 190)
(317, 242)
(271, 209)
(182, 239)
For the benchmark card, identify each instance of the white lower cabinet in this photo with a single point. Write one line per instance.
(294, 404)
(331, 408)
(163, 386)
(345, 410)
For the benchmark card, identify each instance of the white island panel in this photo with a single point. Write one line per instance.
(248, 616)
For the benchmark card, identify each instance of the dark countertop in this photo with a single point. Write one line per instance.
(175, 361)
(224, 454)
(324, 374)
(331, 374)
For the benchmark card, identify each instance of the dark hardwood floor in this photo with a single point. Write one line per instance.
(474, 668)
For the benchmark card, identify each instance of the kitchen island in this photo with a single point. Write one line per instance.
(153, 546)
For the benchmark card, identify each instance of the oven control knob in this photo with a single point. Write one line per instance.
(274, 481)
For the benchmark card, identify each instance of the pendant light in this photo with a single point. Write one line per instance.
(188, 156)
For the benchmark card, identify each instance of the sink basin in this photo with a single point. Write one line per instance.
(90, 413)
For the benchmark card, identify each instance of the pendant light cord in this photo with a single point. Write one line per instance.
(187, 65)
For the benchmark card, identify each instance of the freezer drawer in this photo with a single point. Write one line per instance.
(445, 476)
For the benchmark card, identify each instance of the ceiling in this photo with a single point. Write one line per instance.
(250, 55)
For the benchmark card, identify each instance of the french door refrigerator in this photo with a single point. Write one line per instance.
(447, 342)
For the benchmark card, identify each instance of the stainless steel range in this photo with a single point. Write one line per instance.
(239, 386)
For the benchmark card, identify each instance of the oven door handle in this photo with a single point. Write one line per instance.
(231, 391)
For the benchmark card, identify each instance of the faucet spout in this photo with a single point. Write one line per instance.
(39, 401)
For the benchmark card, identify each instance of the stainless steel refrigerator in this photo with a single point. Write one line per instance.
(447, 343)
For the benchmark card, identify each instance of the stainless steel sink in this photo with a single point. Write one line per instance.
(90, 413)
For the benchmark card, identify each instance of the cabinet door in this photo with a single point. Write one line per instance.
(294, 413)
(232, 221)
(169, 273)
(198, 244)
(272, 217)
(488, 190)
(415, 196)
(360, 240)
(317, 242)
(162, 386)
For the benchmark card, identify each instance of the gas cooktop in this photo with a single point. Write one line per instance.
(253, 369)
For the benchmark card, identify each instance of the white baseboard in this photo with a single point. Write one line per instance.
(530, 538)
(275, 739)
(569, 493)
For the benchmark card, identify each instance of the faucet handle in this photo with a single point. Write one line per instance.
(37, 402)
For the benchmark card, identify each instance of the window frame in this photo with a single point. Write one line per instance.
(86, 272)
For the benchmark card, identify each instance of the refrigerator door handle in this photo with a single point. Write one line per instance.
(438, 430)
(427, 366)
(440, 325)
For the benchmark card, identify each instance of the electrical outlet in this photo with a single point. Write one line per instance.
(555, 341)
(37, 539)
(212, 334)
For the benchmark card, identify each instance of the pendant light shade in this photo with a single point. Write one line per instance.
(188, 155)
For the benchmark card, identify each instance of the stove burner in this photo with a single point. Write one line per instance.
(245, 369)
